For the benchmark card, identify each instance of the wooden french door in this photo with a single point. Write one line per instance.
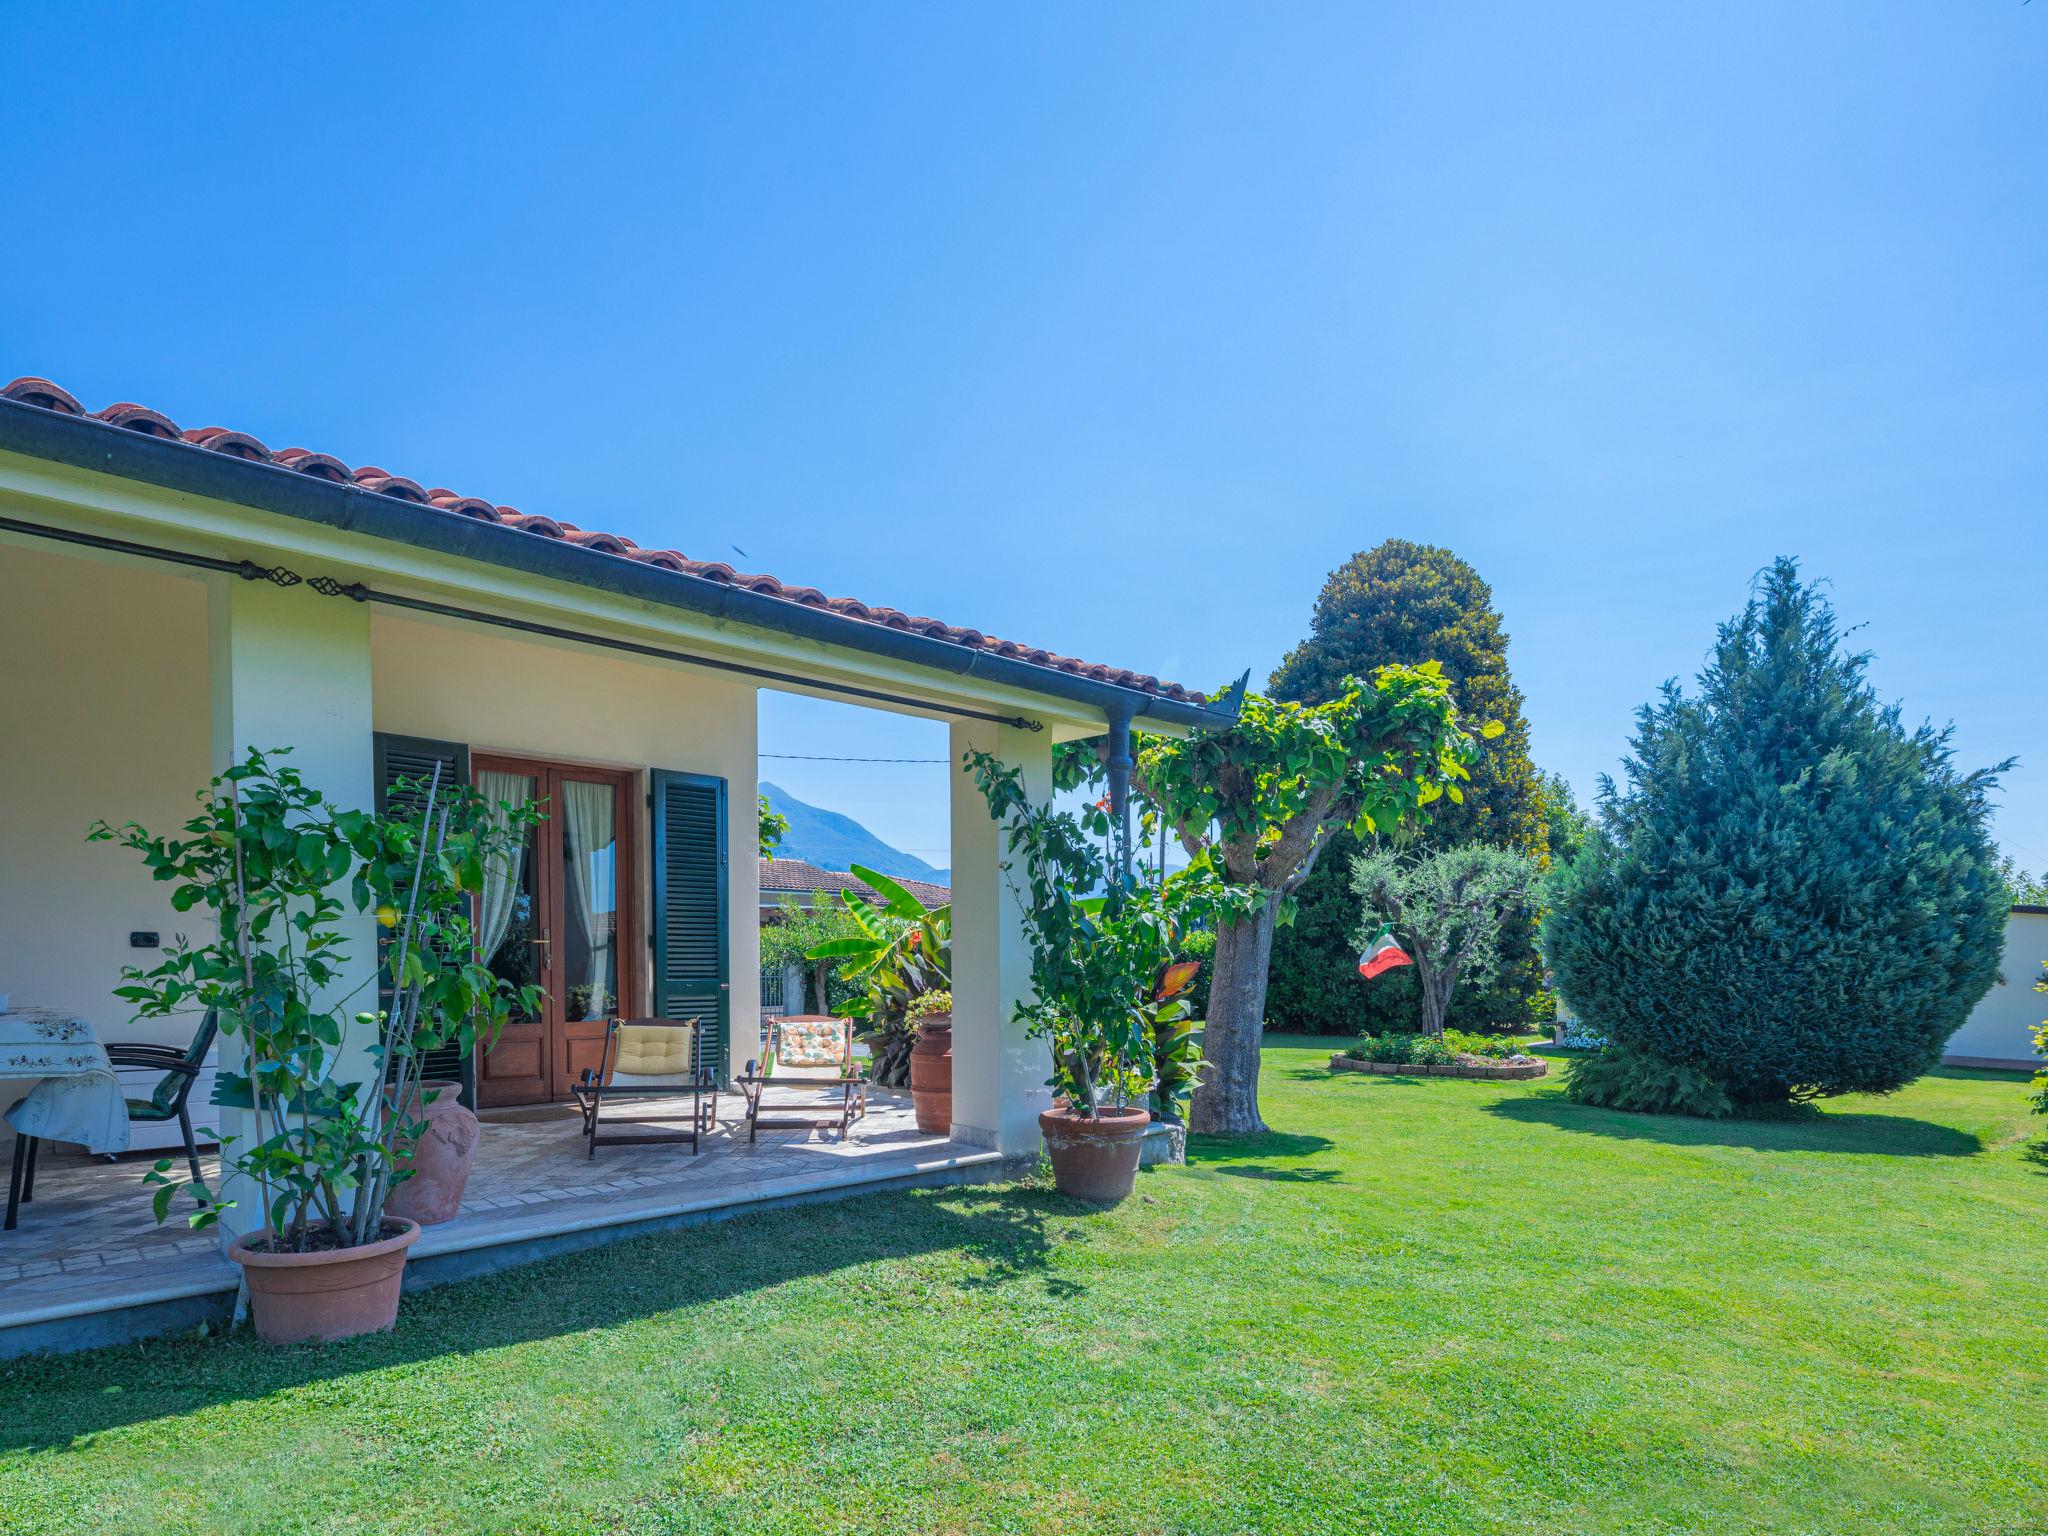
(565, 921)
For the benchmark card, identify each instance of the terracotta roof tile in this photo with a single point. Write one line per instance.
(369, 477)
(42, 392)
(319, 465)
(139, 418)
(221, 440)
(783, 877)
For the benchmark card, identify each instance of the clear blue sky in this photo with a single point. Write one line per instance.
(1114, 328)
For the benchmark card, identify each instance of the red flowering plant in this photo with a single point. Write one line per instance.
(1176, 1039)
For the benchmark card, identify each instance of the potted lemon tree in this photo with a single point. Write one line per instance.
(268, 859)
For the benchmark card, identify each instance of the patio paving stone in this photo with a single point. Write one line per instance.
(89, 1243)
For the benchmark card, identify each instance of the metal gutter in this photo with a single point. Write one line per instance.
(84, 443)
(355, 591)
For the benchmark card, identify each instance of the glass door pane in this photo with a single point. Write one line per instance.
(588, 829)
(508, 920)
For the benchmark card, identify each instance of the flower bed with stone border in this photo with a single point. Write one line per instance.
(1490, 1071)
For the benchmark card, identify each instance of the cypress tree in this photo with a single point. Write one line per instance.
(1794, 894)
(1408, 602)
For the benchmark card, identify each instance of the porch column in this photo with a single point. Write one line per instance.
(998, 1073)
(292, 669)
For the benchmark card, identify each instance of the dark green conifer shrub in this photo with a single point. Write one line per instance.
(1620, 1078)
(1794, 895)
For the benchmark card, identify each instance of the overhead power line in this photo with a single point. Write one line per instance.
(819, 757)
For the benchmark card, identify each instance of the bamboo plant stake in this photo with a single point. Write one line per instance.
(404, 1013)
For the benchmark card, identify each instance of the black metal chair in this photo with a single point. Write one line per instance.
(168, 1101)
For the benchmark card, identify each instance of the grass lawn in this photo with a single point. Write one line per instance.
(1419, 1305)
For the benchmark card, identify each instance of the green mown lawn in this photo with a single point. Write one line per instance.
(1419, 1305)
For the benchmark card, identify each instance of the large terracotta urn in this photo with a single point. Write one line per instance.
(303, 1298)
(440, 1160)
(1094, 1158)
(931, 1074)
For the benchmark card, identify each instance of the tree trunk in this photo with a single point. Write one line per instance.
(1227, 1103)
(1435, 1007)
(1438, 975)
(822, 979)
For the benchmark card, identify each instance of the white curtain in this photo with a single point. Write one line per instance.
(500, 895)
(587, 813)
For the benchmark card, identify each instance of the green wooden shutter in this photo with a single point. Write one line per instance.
(414, 757)
(691, 958)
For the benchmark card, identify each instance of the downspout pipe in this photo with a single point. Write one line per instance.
(85, 443)
(1120, 764)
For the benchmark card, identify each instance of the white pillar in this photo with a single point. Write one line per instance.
(292, 669)
(999, 1073)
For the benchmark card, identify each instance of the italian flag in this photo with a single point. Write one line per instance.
(1382, 954)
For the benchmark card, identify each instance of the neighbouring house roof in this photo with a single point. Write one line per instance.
(793, 877)
(127, 417)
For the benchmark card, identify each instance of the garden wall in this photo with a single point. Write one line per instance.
(1999, 1032)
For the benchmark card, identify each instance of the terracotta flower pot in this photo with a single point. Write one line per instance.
(931, 1075)
(441, 1158)
(1094, 1159)
(296, 1298)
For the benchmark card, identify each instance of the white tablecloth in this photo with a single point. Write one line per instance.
(78, 1098)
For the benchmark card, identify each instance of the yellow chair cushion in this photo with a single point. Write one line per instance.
(810, 1043)
(652, 1050)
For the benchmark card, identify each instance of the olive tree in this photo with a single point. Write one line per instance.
(1447, 910)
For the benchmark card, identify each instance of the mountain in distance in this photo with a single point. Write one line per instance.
(832, 841)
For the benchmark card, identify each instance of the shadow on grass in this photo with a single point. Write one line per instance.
(1272, 1175)
(1323, 1074)
(1251, 1157)
(1005, 1231)
(1883, 1135)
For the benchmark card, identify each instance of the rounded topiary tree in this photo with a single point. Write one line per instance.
(1794, 894)
(1406, 602)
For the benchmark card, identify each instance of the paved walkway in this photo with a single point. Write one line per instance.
(89, 1243)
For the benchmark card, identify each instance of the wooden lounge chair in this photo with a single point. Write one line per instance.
(646, 1061)
(811, 1052)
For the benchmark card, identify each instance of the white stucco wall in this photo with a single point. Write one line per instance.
(105, 711)
(501, 692)
(2001, 1028)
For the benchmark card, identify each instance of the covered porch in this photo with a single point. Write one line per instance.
(89, 1265)
(169, 602)
(647, 907)
(639, 897)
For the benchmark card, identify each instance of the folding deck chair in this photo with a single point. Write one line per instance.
(645, 1061)
(811, 1053)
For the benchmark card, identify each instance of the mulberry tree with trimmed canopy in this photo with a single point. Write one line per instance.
(1261, 800)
